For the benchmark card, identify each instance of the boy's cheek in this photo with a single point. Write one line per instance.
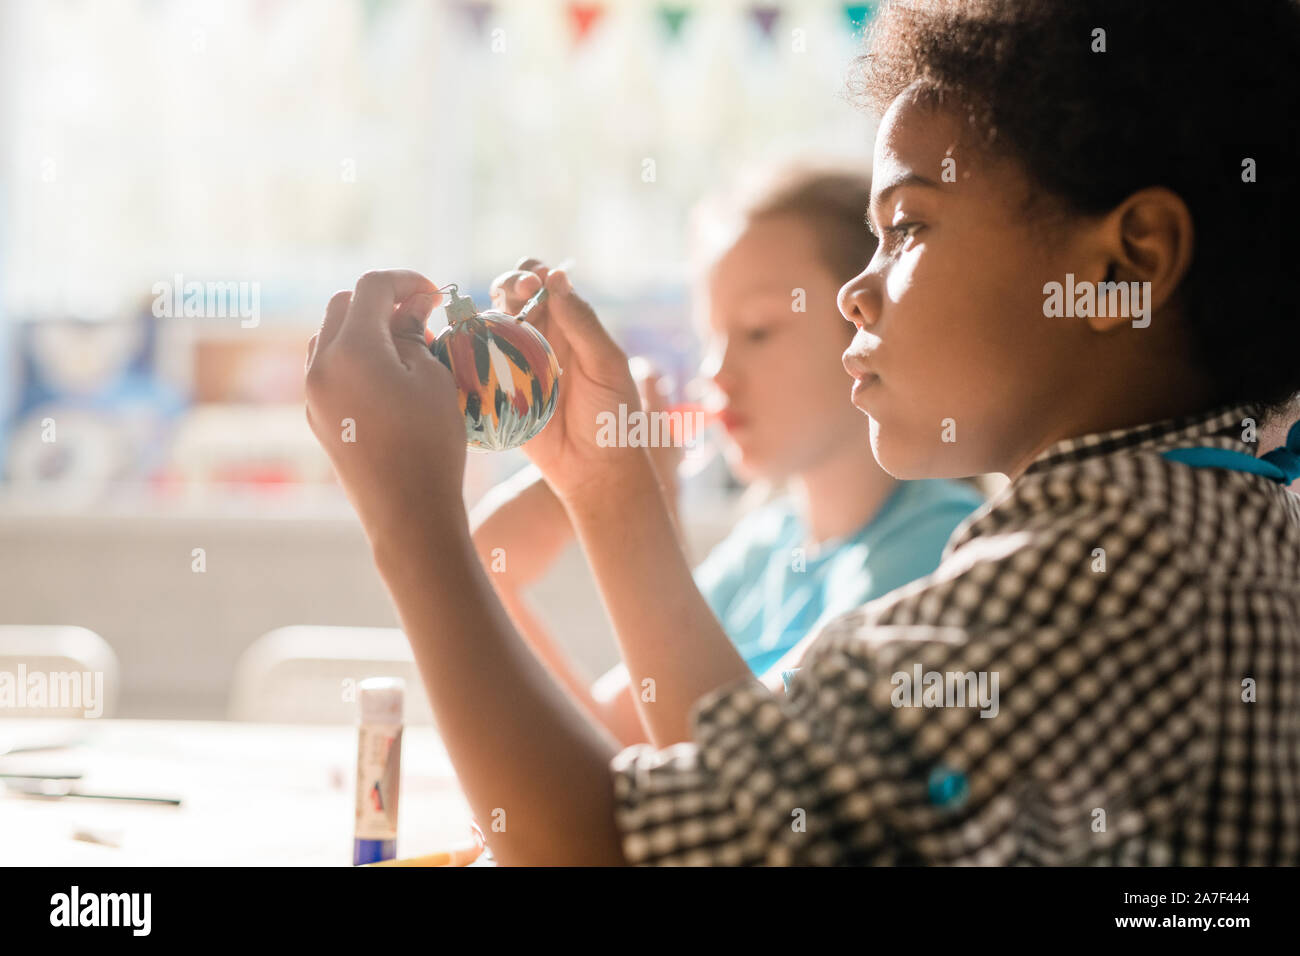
(946, 425)
(901, 285)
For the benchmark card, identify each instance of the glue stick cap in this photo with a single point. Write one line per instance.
(381, 700)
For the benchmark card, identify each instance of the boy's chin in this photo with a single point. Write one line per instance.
(742, 463)
(900, 453)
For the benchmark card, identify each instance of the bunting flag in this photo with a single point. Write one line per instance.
(476, 13)
(582, 17)
(372, 11)
(857, 15)
(765, 16)
(673, 17)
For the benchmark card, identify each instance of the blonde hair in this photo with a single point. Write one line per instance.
(831, 199)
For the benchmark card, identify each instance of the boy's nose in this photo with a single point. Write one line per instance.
(857, 302)
(718, 370)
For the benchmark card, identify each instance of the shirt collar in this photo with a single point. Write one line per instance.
(1221, 427)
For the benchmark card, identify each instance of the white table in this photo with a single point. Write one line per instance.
(252, 794)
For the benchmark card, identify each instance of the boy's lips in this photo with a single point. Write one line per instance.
(862, 385)
(857, 364)
(731, 420)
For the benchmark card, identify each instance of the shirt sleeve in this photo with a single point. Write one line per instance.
(1091, 720)
(760, 785)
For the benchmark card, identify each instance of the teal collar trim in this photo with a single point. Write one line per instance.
(1282, 464)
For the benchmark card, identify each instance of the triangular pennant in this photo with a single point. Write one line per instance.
(372, 10)
(582, 17)
(857, 15)
(765, 15)
(476, 13)
(673, 17)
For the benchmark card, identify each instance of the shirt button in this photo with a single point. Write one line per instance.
(948, 788)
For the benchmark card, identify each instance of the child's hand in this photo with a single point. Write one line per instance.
(384, 408)
(595, 380)
(666, 457)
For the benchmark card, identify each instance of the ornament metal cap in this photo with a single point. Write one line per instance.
(460, 307)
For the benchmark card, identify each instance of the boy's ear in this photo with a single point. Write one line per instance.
(1147, 238)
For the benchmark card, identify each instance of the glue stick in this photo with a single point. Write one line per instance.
(379, 769)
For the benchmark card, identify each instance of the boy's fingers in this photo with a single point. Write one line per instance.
(377, 293)
(511, 290)
(586, 337)
(334, 314)
(529, 264)
(410, 323)
(311, 350)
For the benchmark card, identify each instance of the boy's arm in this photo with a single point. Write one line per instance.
(617, 714)
(525, 755)
(517, 740)
(661, 619)
(666, 630)
(519, 528)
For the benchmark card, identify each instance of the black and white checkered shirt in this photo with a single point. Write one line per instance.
(1141, 619)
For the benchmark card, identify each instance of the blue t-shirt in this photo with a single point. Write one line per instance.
(769, 594)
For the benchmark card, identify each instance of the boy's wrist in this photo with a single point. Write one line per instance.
(421, 541)
(609, 492)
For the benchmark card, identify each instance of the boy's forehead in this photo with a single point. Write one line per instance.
(915, 137)
(763, 260)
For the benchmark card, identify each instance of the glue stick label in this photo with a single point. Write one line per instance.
(379, 759)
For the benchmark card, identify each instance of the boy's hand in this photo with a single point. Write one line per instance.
(384, 408)
(595, 380)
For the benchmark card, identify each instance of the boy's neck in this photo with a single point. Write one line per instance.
(1147, 395)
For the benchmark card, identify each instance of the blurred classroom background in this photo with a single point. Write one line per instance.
(160, 486)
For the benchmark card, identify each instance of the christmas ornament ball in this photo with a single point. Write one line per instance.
(507, 375)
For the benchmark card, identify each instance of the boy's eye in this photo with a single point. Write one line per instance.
(758, 333)
(903, 230)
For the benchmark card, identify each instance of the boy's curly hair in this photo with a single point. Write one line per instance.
(1184, 93)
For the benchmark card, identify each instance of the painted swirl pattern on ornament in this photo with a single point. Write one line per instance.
(508, 378)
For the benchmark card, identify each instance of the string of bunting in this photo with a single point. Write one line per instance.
(584, 18)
